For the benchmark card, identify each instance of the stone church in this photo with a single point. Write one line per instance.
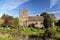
(26, 21)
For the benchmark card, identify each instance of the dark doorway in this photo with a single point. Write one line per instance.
(31, 25)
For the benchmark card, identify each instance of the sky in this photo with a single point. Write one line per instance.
(34, 7)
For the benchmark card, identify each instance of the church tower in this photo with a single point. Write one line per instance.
(23, 17)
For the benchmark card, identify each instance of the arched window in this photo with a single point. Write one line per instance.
(41, 23)
(36, 23)
(23, 12)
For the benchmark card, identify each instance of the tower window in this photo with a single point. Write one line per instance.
(36, 23)
(23, 12)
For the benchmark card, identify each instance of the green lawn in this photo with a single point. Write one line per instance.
(7, 39)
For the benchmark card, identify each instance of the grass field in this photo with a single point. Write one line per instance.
(6, 39)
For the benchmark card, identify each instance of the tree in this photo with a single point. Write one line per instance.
(13, 23)
(52, 33)
(44, 14)
(47, 20)
(1, 22)
(6, 21)
(4, 16)
(58, 23)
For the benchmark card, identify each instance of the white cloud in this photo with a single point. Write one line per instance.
(6, 5)
(53, 3)
(11, 4)
(55, 12)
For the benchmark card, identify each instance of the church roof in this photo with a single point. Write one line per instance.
(35, 18)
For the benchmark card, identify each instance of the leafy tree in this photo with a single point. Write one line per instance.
(57, 36)
(4, 16)
(47, 20)
(13, 23)
(10, 21)
(1, 21)
(16, 21)
(53, 33)
(6, 21)
(58, 23)
(44, 14)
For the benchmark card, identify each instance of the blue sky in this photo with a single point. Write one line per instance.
(34, 7)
